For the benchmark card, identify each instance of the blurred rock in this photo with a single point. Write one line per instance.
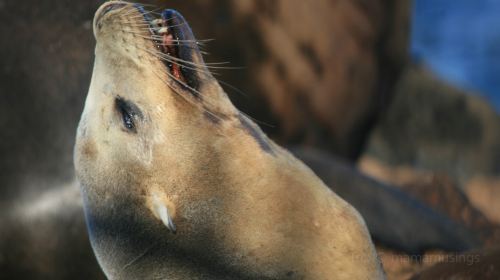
(400, 266)
(484, 265)
(442, 194)
(47, 56)
(437, 142)
(43, 236)
(433, 126)
(439, 192)
(319, 71)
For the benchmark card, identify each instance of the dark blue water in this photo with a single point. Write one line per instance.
(460, 41)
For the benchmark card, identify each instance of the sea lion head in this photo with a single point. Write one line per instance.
(178, 184)
(151, 94)
(141, 61)
(151, 117)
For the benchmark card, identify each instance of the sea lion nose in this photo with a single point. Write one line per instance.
(188, 49)
(108, 7)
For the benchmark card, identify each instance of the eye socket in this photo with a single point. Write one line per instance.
(129, 113)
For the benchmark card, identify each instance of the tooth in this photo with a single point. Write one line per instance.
(158, 21)
(166, 218)
(161, 210)
(163, 30)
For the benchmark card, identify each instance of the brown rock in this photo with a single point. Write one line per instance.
(44, 236)
(484, 265)
(324, 68)
(445, 196)
(435, 265)
(439, 192)
(432, 126)
(47, 53)
(400, 266)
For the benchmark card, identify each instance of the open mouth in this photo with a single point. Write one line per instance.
(175, 41)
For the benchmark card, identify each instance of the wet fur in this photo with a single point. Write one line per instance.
(244, 207)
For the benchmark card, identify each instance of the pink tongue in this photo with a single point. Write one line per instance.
(168, 46)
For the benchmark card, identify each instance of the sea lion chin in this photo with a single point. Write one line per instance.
(177, 184)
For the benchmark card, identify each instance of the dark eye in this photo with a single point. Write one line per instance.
(128, 121)
(129, 113)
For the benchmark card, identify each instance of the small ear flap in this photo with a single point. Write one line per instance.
(161, 211)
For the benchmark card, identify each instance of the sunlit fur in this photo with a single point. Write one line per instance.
(241, 212)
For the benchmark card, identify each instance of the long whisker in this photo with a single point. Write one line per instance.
(209, 103)
(179, 60)
(159, 37)
(190, 46)
(134, 24)
(187, 99)
(232, 87)
(145, 13)
(194, 91)
(198, 69)
(183, 62)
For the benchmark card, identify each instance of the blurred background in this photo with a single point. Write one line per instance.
(393, 103)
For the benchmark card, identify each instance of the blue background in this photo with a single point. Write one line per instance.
(460, 41)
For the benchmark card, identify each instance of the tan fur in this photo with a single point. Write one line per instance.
(258, 213)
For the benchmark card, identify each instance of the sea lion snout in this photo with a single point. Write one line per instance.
(130, 31)
(181, 53)
(184, 36)
(105, 9)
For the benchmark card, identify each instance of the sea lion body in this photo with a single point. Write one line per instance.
(177, 184)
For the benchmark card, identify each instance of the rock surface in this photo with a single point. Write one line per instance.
(47, 56)
(442, 193)
(433, 126)
(319, 71)
(483, 264)
(44, 236)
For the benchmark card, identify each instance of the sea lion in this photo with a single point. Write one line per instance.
(178, 184)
